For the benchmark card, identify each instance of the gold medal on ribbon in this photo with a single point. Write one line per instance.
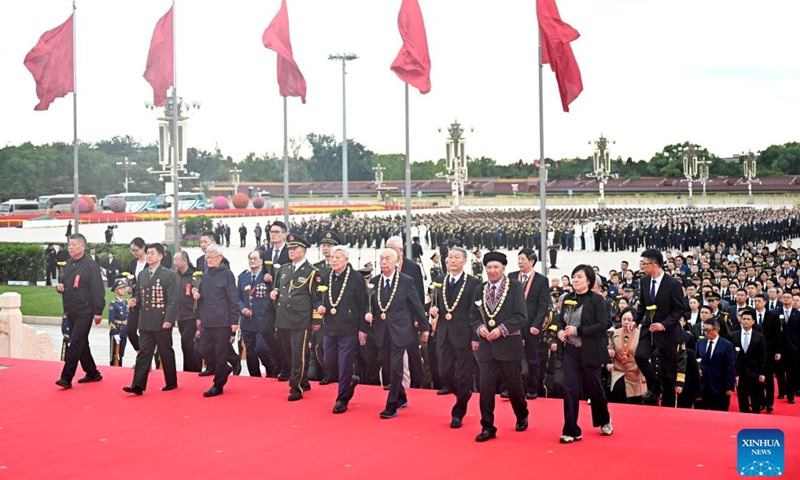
(492, 323)
(333, 311)
(448, 317)
(383, 316)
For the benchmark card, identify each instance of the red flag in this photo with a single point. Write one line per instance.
(556, 50)
(276, 38)
(51, 62)
(413, 64)
(160, 72)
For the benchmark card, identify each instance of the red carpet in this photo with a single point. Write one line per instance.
(98, 431)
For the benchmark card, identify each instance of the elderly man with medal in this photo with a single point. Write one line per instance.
(397, 325)
(252, 294)
(450, 307)
(344, 304)
(498, 314)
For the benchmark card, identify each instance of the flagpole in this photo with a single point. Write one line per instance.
(285, 166)
(75, 178)
(176, 225)
(542, 171)
(408, 183)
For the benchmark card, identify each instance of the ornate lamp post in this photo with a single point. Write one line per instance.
(602, 167)
(456, 161)
(749, 160)
(126, 167)
(378, 178)
(689, 156)
(344, 58)
(235, 179)
(702, 169)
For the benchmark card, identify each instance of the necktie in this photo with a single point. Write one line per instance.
(252, 279)
(275, 256)
(709, 348)
(524, 279)
(452, 281)
(760, 318)
(387, 284)
(492, 297)
(653, 291)
(746, 341)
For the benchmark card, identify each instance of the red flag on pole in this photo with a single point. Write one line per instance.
(556, 50)
(276, 38)
(160, 72)
(413, 64)
(51, 62)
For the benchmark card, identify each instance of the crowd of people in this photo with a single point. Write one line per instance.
(710, 311)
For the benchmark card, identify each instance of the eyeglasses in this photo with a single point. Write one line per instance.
(135, 249)
(213, 257)
(275, 232)
(647, 263)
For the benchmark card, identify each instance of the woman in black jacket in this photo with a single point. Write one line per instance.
(582, 327)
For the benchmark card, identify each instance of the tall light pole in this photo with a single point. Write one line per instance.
(602, 167)
(344, 58)
(126, 167)
(456, 161)
(378, 178)
(749, 160)
(235, 179)
(703, 173)
(688, 155)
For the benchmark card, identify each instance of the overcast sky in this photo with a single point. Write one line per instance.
(724, 74)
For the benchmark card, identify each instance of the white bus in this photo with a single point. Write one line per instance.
(60, 203)
(187, 201)
(134, 202)
(19, 206)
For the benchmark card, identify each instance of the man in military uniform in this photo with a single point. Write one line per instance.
(118, 323)
(477, 265)
(156, 293)
(295, 299)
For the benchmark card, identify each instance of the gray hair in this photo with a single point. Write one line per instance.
(215, 248)
(460, 250)
(341, 248)
(395, 239)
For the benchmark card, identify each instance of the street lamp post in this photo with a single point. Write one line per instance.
(689, 157)
(456, 161)
(703, 174)
(344, 58)
(602, 167)
(126, 167)
(378, 178)
(235, 179)
(749, 165)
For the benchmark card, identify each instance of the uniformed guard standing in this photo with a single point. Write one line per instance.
(118, 323)
(477, 265)
(295, 300)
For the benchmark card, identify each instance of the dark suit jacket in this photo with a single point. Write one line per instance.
(754, 362)
(719, 373)
(411, 269)
(512, 318)
(732, 311)
(592, 330)
(537, 301)
(669, 303)
(352, 307)
(283, 257)
(405, 309)
(458, 331)
(201, 263)
(157, 298)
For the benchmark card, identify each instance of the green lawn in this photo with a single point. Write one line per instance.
(44, 301)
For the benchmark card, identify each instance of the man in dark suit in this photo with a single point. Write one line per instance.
(537, 301)
(790, 346)
(112, 270)
(410, 268)
(451, 323)
(277, 253)
(398, 318)
(660, 327)
(498, 315)
(275, 256)
(774, 325)
(295, 301)
(717, 369)
(751, 364)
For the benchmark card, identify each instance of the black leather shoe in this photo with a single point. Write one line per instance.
(444, 391)
(652, 394)
(295, 396)
(212, 392)
(522, 424)
(769, 409)
(387, 387)
(283, 378)
(791, 401)
(91, 378)
(388, 414)
(205, 373)
(135, 390)
(455, 422)
(504, 394)
(531, 396)
(167, 388)
(63, 383)
(237, 368)
(340, 407)
(485, 436)
(325, 381)
(781, 396)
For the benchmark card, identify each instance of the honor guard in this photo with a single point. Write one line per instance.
(118, 323)
(477, 265)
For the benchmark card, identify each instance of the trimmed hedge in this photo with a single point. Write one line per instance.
(22, 261)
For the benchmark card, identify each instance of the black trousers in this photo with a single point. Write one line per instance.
(397, 393)
(215, 343)
(455, 370)
(271, 338)
(256, 356)
(775, 372)
(511, 373)
(133, 328)
(576, 374)
(532, 343)
(78, 350)
(148, 340)
(415, 365)
(714, 401)
(792, 375)
(294, 345)
(667, 371)
(340, 354)
(749, 393)
(191, 359)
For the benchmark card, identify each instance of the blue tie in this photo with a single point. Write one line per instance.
(653, 290)
(275, 256)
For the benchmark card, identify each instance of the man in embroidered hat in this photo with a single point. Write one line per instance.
(498, 314)
(295, 299)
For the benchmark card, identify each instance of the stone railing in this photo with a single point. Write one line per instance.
(18, 340)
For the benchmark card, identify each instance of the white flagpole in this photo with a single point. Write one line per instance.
(75, 176)
(176, 225)
(542, 171)
(285, 165)
(408, 183)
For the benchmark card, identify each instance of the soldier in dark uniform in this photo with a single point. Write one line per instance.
(252, 293)
(498, 314)
(436, 269)
(477, 265)
(118, 323)
(156, 294)
(294, 303)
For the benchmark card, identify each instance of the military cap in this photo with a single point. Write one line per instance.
(293, 240)
(628, 288)
(365, 271)
(435, 255)
(495, 257)
(712, 296)
(120, 283)
(331, 238)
